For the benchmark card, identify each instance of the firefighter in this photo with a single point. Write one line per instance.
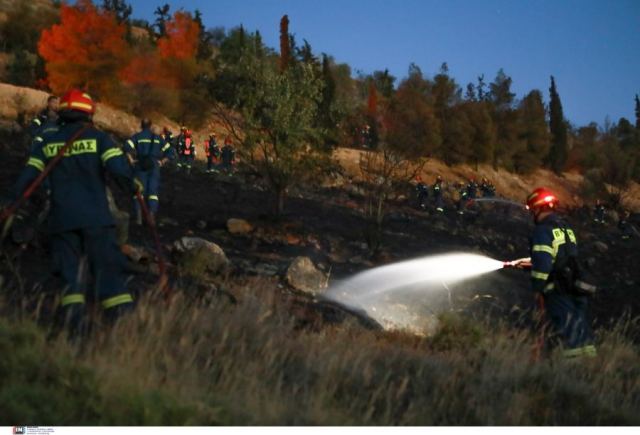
(554, 243)
(149, 152)
(46, 118)
(167, 136)
(212, 151)
(463, 197)
(228, 155)
(423, 193)
(624, 226)
(180, 140)
(186, 149)
(437, 194)
(472, 189)
(81, 226)
(487, 188)
(599, 212)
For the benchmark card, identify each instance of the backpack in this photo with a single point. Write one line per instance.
(569, 274)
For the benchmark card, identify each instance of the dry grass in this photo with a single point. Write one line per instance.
(248, 364)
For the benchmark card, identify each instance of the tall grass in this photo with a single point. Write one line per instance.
(251, 364)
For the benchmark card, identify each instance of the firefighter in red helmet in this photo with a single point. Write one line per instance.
(554, 267)
(80, 224)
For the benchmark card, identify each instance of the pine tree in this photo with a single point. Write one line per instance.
(285, 43)
(558, 127)
(470, 94)
(162, 16)
(534, 133)
(480, 87)
(120, 8)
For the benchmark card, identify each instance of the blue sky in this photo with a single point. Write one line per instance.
(591, 47)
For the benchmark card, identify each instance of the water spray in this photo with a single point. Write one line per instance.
(421, 282)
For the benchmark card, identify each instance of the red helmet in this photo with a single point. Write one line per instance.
(541, 197)
(75, 99)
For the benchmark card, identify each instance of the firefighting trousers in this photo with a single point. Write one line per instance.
(86, 259)
(568, 318)
(211, 163)
(186, 161)
(151, 182)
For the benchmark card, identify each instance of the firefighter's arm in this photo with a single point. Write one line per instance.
(115, 162)
(35, 165)
(542, 257)
(167, 152)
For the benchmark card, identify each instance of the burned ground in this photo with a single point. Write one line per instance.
(327, 225)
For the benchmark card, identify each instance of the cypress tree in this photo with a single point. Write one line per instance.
(285, 43)
(558, 127)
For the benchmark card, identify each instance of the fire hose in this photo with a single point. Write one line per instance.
(8, 212)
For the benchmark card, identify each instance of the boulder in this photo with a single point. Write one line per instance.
(303, 275)
(212, 255)
(239, 226)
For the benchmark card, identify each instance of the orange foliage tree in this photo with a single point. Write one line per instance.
(85, 50)
(172, 64)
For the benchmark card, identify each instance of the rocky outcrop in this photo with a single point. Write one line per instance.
(303, 275)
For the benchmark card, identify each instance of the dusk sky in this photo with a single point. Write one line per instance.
(591, 47)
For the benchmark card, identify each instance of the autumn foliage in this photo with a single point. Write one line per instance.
(89, 49)
(84, 50)
(181, 40)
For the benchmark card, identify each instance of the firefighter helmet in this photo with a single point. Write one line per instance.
(75, 99)
(541, 198)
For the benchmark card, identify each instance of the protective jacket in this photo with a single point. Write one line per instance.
(149, 149)
(78, 197)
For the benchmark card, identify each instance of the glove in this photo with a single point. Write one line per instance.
(138, 187)
(520, 263)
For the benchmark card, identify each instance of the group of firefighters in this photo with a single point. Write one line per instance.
(466, 192)
(74, 156)
(185, 147)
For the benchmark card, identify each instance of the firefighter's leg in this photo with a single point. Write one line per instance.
(568, 317)
(106, 265)
(71, 262)
(153, 189)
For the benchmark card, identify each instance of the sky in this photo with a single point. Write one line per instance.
(591, 47)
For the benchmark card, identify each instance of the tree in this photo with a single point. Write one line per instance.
(327, 116)
(381, 171)
(21, 69)
(384, 82)
(412, 128)
(285, 44)
(480, 87)
(534, 133)
(484, 136)
(119, 8)
(277, 122)
(22, 25)
(162, 16)
(558, 127)
(500, 92)
(470, 94)
(85, 50)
